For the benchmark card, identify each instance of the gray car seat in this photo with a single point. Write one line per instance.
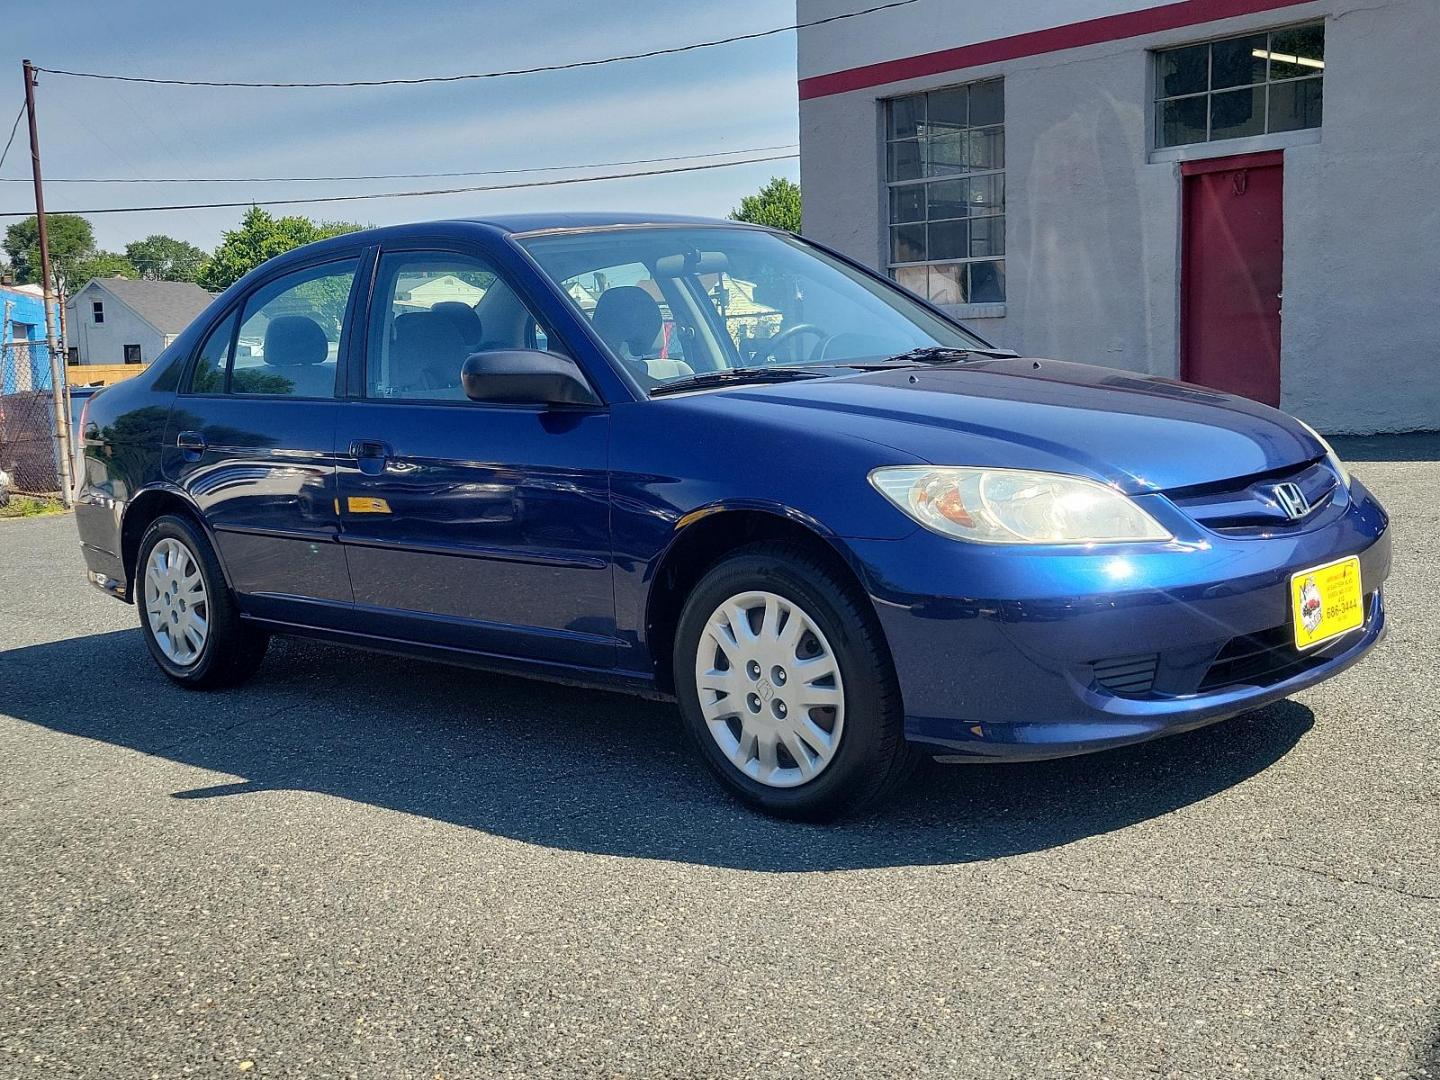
(628, 319)
(296, 349)
(463, 318)
(427, 353)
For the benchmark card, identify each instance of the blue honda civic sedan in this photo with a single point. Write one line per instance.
(720, 464)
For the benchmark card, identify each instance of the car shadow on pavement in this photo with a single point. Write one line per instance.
(1430, 1055)
(582, 770)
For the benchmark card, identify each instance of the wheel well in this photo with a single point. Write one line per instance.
(146, 507)
(699, 548)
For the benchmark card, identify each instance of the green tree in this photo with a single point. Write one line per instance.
(164, 258)
(100, 264)
(777, 205)
(262, 236)
(72, 242)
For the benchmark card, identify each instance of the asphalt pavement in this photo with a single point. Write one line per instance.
(371, 867)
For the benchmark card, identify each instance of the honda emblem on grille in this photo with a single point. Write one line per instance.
(1292, 500)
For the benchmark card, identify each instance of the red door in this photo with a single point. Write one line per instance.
(1232, 274)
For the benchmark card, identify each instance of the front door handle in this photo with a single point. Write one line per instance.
(371, 455)
(191, 443)
(370, 448)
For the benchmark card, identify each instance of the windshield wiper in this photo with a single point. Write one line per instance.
(726, 376)
(944, 354)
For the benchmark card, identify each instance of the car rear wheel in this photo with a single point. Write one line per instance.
(786, 686)
(187, 615)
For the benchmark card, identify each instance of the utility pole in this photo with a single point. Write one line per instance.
(58, 394)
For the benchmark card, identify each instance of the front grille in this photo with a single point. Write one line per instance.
(1268, 657)
(1248, 506)
(1127, 676)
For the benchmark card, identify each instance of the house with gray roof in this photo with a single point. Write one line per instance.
(118, 321)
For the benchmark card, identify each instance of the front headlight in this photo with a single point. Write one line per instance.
(1013, 506)
(1330, 455)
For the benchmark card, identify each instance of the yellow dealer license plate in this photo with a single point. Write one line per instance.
(1327, 602)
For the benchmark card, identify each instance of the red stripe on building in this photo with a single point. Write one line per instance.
(1037, 42)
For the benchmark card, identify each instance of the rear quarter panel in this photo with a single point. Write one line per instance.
(120, 456)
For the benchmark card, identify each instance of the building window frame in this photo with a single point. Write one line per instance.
(97, 311)
(132, 354)
(1283, 72)
(919, 160)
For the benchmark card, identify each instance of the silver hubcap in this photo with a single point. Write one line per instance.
(175, 602)
(770, 689)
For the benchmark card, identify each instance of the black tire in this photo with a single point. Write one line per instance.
(872, 757)
(232, 650)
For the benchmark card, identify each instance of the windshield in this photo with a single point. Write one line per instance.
(672, 302)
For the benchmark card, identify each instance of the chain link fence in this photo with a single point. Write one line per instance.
(29, 462)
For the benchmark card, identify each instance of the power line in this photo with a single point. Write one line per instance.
(413, 194)
(389, 176)
(465, 77)
(13, 128)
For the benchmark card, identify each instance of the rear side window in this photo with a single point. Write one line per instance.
(209, 374)
(288, 344)
(288, 341)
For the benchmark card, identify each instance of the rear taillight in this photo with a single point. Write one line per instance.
(78, 438)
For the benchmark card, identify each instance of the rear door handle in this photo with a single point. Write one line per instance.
(371, 454)
(191, 443)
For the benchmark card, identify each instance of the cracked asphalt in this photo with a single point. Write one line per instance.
(363, 866)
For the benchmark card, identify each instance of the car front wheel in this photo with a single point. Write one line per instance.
(187, 614)
(786, 685)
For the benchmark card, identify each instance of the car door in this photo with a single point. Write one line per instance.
(470, 525)
(251, 438)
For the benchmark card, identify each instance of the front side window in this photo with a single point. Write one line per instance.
(1240, 86)
(288, 344)
(431, 311)
(945, 162)
(669, 302)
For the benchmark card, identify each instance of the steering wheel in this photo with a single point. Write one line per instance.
(790, 333)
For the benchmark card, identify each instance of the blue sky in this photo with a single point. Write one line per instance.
(726, 98)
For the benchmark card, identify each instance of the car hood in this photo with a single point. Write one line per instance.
(1137, 431)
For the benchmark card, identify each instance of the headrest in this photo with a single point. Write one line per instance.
(627, 316)
(423, 338)
(464, 318)
(295, 341)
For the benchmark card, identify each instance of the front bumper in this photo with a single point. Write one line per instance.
(1008, 653)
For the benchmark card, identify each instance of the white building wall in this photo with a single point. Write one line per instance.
(1093, 223)
(105, 343)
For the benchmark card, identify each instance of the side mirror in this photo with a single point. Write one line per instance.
(525, 377)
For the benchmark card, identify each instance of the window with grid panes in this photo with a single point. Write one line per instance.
(945, 161)
(1240, 86)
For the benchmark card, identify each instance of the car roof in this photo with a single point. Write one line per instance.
(525, 223)
(500, 224)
